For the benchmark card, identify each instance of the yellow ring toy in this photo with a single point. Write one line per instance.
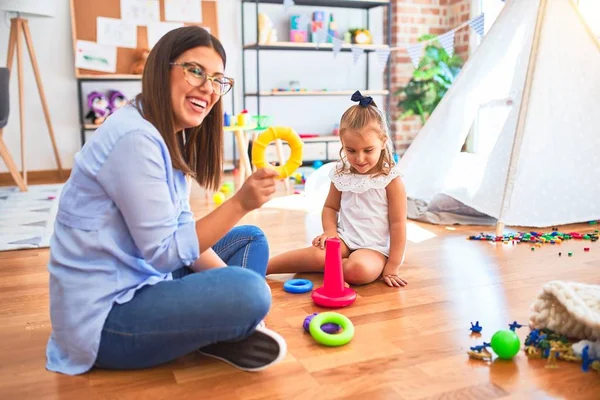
(270, 135)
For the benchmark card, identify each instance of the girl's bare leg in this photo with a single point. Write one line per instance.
(308, 259)
(363, 266)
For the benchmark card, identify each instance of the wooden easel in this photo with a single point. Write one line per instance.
(19, 26)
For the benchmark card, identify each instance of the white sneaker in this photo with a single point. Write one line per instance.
(258, 351)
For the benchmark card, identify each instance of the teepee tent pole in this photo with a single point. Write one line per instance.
(518, 139)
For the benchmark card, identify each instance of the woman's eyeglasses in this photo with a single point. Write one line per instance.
(196, 76)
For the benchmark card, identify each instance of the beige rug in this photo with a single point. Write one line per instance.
(27, 218)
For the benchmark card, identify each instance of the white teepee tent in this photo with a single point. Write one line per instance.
(532, 91)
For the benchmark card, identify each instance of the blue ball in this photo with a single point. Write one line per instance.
(317, 164)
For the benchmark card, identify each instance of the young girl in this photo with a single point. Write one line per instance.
(365, 208)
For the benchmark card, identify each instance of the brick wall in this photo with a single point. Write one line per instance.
(411, 19)
(460, 12)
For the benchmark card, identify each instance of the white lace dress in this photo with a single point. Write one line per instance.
(363, 218)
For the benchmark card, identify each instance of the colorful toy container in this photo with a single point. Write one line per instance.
(298, 34)
(243, 118)
(318, 23)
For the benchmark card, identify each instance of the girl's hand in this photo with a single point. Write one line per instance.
(319, 241)
(390, 276)
(257, 189)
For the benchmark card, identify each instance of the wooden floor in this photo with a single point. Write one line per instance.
(410, 343)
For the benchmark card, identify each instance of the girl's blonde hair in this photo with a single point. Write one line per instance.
(358, 117)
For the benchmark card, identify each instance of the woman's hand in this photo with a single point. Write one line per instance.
(320, 240)
(257, 190)
(390, 276)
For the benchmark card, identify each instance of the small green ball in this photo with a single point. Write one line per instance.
(506, 344)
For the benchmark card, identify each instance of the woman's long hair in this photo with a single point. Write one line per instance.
(200, 152)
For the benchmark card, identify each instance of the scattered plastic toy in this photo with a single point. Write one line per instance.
(480, 352)
(554, 237)
(506, 344)
(326, 339)
(218, 198)
(476, 328)
(545, 343)
(562, 349)
(333, 293)
(227, 187)
(480, 348)
(539, 343)
(586, 361)
(298, 286)
(328, 327)
(515, 326)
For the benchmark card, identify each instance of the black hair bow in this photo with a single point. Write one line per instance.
(363, 100)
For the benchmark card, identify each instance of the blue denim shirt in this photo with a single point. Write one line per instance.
(123, 221)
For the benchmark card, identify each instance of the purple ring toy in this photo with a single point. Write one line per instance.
(328, 328)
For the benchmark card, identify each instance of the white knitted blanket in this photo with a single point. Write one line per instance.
(569, 308)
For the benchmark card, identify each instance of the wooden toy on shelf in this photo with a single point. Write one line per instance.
(140, 57)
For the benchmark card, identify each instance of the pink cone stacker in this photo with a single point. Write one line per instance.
(333, 293)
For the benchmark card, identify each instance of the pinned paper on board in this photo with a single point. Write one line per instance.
(116, 32)
(159, 29)
(183, 10)
(95, 57)
(140, 12)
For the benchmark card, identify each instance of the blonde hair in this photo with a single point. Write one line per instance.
(356, 118)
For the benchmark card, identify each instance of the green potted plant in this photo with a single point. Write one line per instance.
(431, 80)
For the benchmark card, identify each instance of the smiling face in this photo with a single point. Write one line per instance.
(192, 104)
(363, 148)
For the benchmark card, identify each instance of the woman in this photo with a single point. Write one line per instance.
(134, 281)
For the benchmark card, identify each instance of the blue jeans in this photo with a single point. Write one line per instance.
(172, 318)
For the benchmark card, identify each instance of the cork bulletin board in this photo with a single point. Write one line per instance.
(84, 17)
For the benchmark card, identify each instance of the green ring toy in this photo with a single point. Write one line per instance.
(333, 340)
